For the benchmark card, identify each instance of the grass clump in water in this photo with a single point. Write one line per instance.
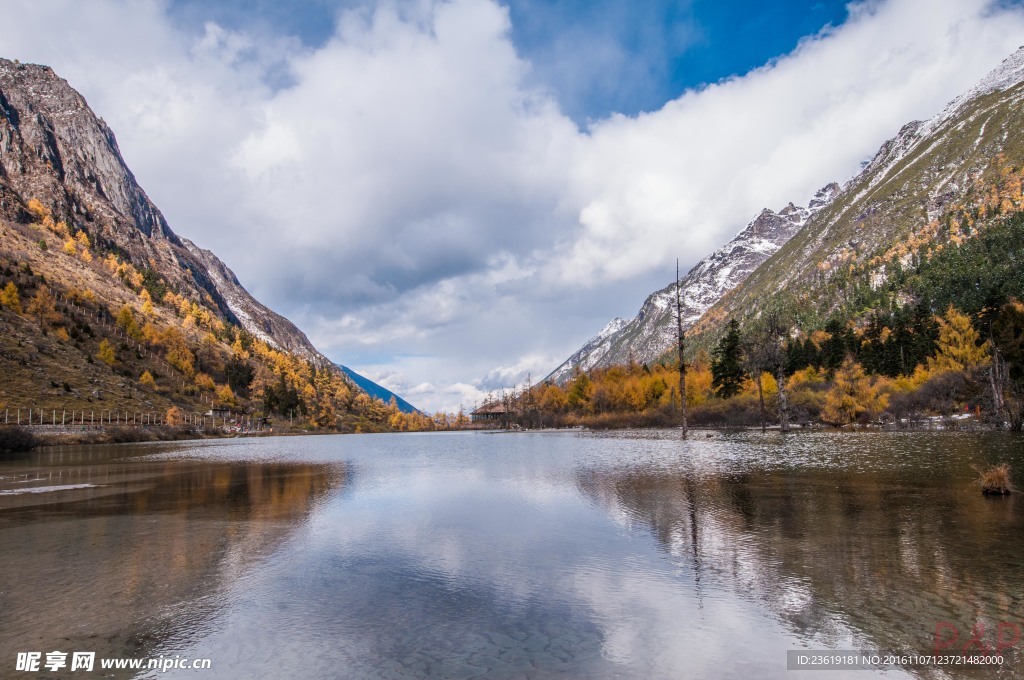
(995, 481)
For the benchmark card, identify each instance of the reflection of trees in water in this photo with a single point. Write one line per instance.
(834, 552)
(146, 555)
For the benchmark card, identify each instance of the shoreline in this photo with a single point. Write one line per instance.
(144, 434)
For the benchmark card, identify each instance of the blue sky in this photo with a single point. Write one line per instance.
(597, 57)
(448, 195)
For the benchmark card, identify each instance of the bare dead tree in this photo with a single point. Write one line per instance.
(776, 331)
(757, 358)
(682, 348)
(765, 350)
(998, 379)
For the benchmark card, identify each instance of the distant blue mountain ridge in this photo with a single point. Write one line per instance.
(378, 392)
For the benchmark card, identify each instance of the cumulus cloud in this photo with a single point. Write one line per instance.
(407, 155)
(676, 180)
(411, 194)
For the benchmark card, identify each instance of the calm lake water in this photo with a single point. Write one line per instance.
(541, 555)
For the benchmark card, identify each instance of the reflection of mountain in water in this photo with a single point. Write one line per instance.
(837, 556)
(145, 553)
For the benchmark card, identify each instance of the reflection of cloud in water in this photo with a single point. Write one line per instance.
(584, 556)
(713, 554)
(402, 581)
(870, 552)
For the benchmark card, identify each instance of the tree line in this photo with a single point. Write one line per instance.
(891, 369)
(930, 326)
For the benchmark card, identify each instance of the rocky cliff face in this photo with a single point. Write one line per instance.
(54, 149)
(653, 331)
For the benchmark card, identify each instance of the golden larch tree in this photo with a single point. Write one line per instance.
(958, 347)
(106, 353)
(10, 298)
(853, 393)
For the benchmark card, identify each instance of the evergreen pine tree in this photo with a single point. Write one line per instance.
(926, 335)
(726, 366)
(841, 343)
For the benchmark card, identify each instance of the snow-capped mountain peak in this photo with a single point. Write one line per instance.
(653, 331)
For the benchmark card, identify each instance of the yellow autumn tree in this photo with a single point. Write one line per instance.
(146, 380)
(126, 321)
(552, 400)
(175, 416)
(43, 306)
(106, 353)
(147, 303)
(958, 347)
(238, 350)
(853, 393)
(10, 298)
(698, 384)
(81, 295)
(327, 389)
(38, 210)
(150, 334)
(225, 396)
(178, 353)
(634, 394)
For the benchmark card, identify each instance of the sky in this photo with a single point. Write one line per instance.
(450, 195)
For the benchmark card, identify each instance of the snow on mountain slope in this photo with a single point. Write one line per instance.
(653, 331)
(910, 182)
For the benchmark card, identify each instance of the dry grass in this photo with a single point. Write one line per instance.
(995, 481)
(124, 435)
(42, 370)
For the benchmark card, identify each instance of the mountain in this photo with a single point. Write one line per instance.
(929, 187)
(653, 331)
(55, 150)
(104, 309)
(378, 391)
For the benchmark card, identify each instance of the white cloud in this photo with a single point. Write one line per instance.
(676, 180)
(399, 376)
(406, 189)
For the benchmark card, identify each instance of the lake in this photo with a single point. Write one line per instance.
(531, 555)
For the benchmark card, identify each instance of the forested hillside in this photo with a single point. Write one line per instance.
(899, 300)
(107, 315)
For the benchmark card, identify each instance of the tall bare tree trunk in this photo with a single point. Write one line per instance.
(682, 348)
(780, 377)
(760, 398)
(995, 374)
